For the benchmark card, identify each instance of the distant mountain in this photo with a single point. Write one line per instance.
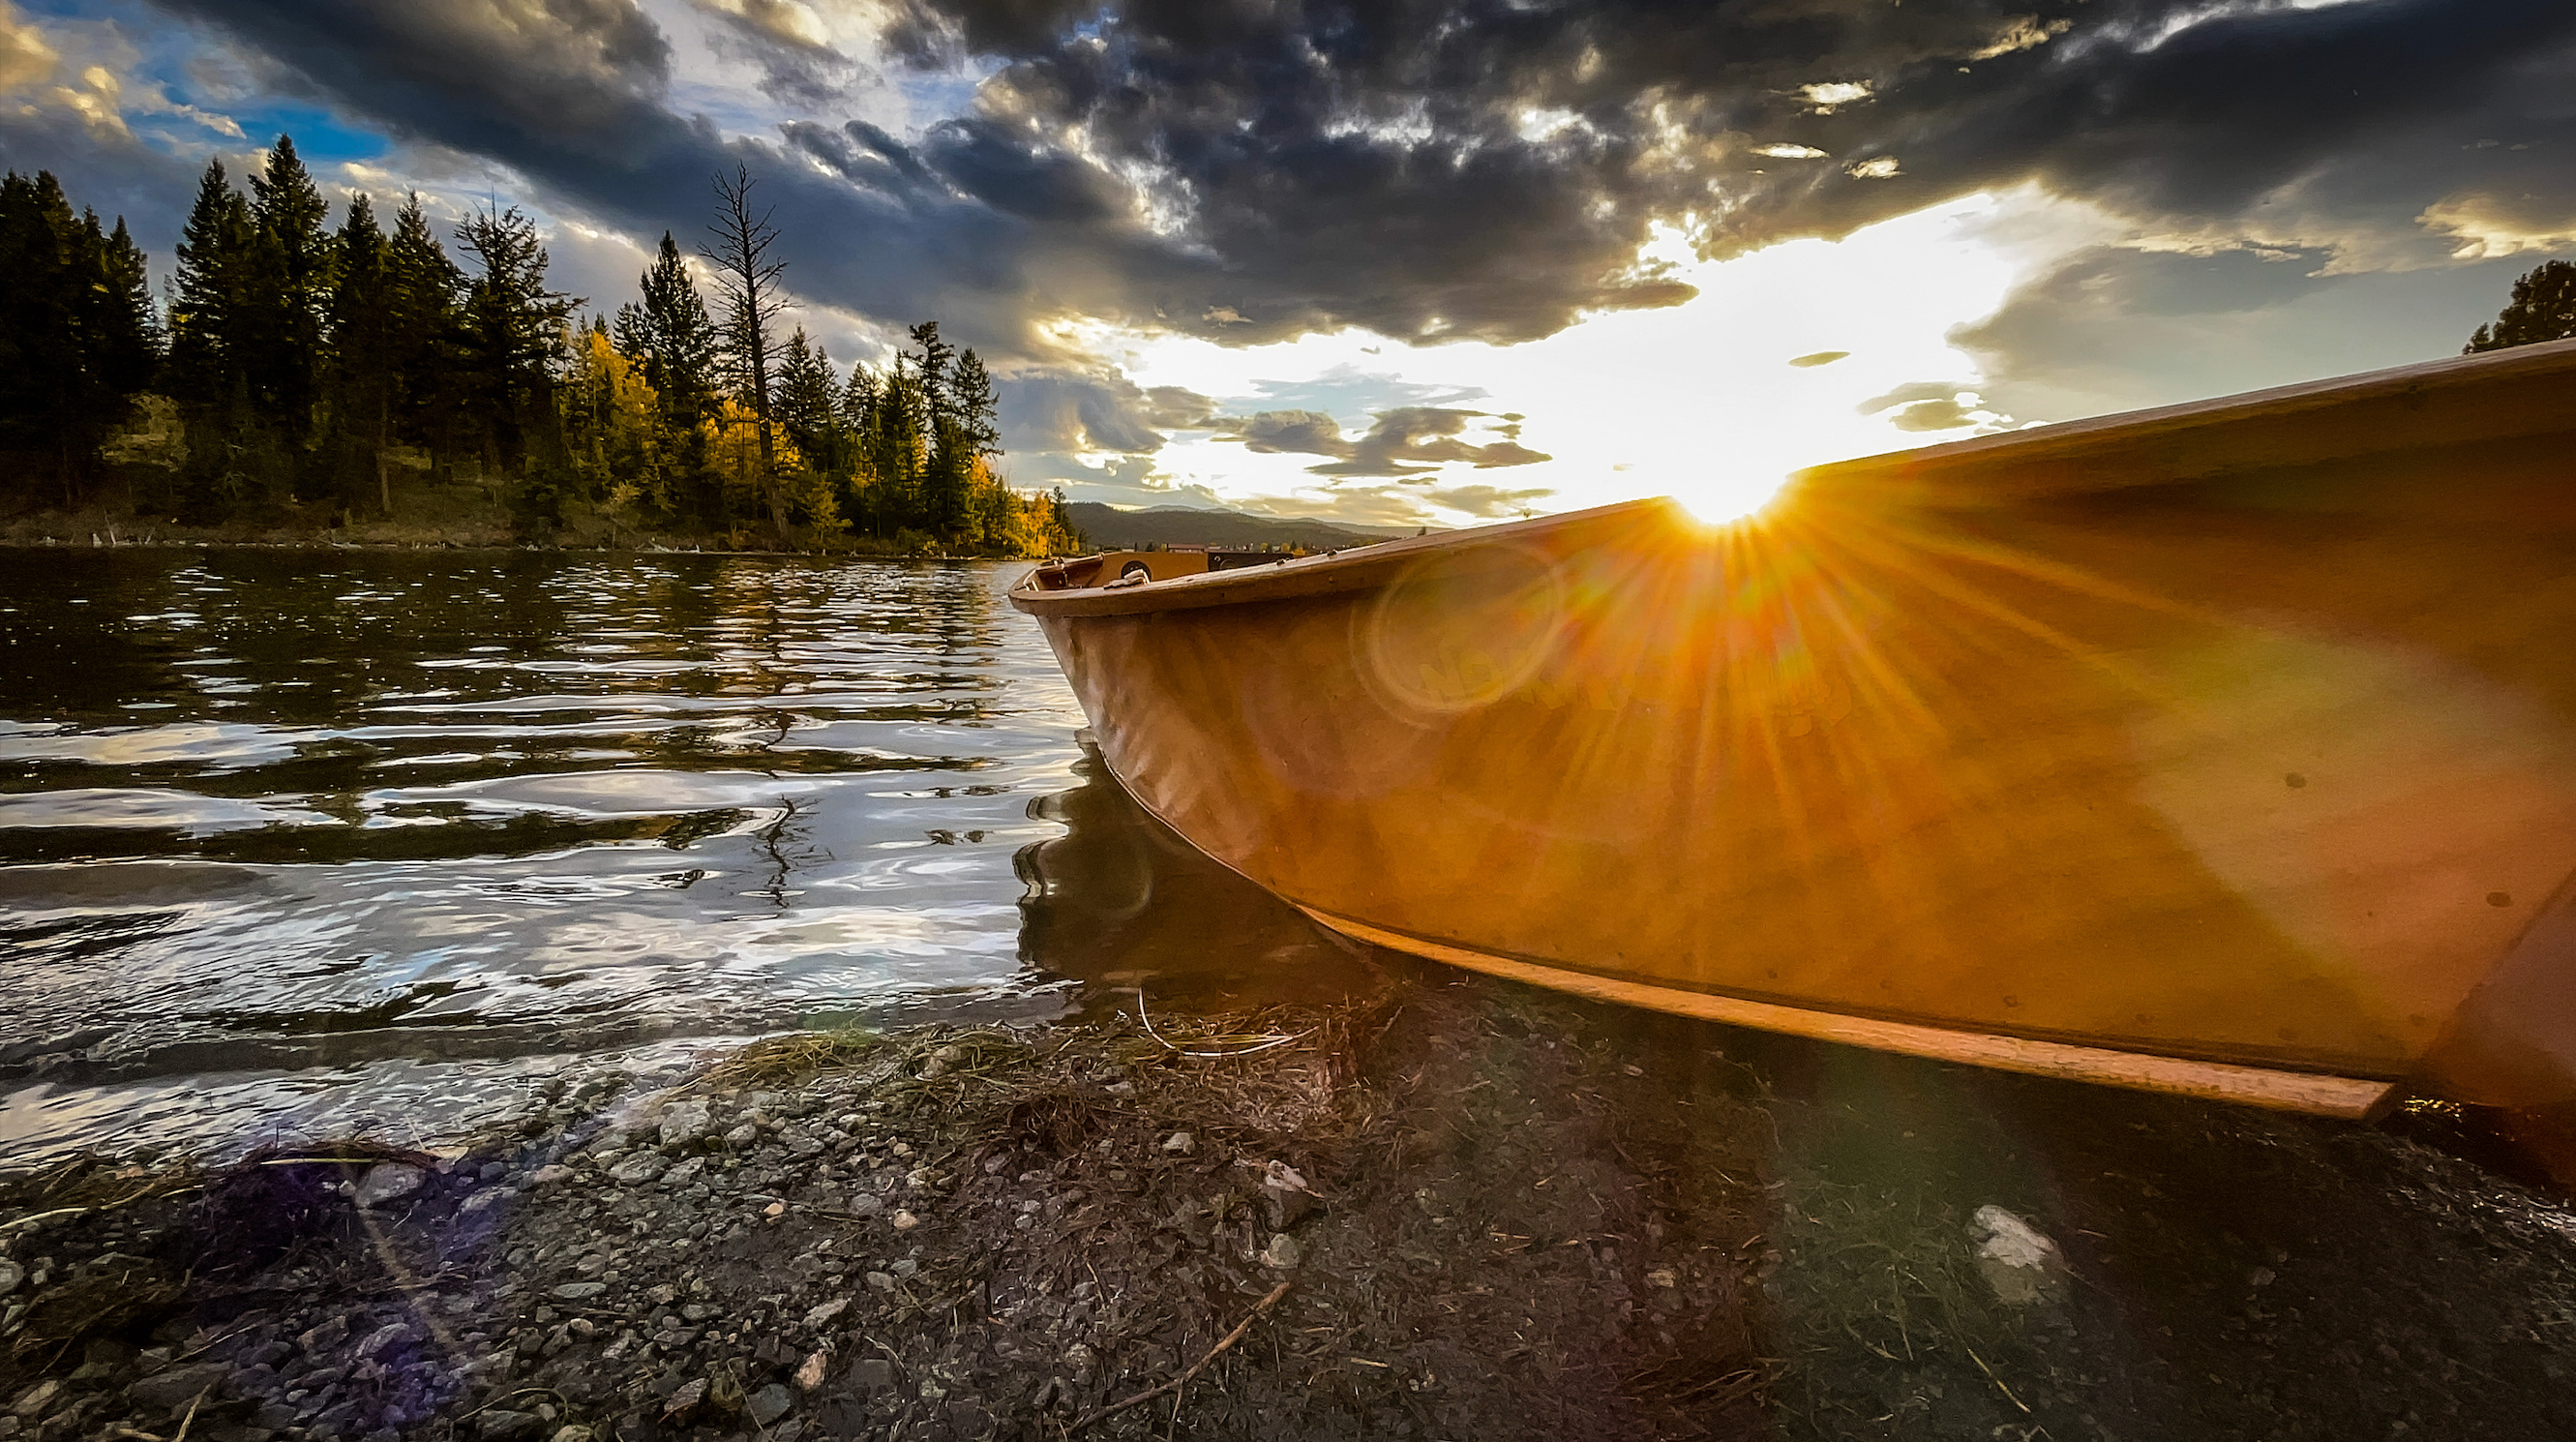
(1109, 528)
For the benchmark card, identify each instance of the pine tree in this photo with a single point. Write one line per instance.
(77, 339)
(289, 295)
(207, 303)
(805, 407)
(946, 478)
(363, 374)
(2543, 309)
(513, 329)
(975, 406)
(421, 290)
(670, 334)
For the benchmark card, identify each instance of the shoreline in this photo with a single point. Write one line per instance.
(1459, 1208)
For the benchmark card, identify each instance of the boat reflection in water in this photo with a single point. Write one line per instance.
(1121, 904)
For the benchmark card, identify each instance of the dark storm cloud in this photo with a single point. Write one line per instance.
(1251, 170)
(1405, 441)
(1067, 410)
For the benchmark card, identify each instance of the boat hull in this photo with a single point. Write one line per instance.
(2238, 759)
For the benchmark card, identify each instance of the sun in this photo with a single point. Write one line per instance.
(1719, 502)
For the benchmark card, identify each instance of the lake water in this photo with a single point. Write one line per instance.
(299, 842)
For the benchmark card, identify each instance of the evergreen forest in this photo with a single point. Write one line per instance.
(360, 377)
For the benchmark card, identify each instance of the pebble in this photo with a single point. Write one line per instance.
(550, 1174)
(11, 1275)
(1283, 1253)
(637, 1170)
(817, 1316)
(905, 1221)
(388, 1182)
(325, 1335)
(580, 1291)
(685, 1123)
(1180, 1144)
(36, 1401)
(810, 1375)
(882, 1281)
(391, 1334)
(486, 1199)
(769, 1404)
(873, 1374)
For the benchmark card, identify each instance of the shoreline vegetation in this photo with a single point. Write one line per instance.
(1455, 1208)
(311, 383)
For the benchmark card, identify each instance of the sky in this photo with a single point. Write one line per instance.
(1432, 261)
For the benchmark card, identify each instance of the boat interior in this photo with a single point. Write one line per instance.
(1135, 568)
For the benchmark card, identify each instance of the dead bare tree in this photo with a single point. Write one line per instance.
(747, 283)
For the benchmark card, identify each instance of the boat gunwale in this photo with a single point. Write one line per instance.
(2320, 1093)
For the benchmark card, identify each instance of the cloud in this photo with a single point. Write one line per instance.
(1402, 442)
(1818, 358)
(2114, 328)
(790, 44)
(1251, 172)
(1934, 406)
(1486, 502)
(25, 57)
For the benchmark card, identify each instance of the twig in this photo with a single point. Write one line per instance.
(1998, 1381)
(1183, 1380)
(190, 1420)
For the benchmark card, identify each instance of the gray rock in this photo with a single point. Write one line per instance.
(388, 1182)
(325, 1335)
(486, 1199)
(817, 1316)
(685, 1123)
(36, 1401)
(177, 1387)
(1283, 1253)
(385, 1338)
(742, 1136)
(2017, 1260)
(769, 1404)
(685, 1173)
(506, 1426)
(580, 1291)
(11, 1276)
(576, 1434)
(1180, 1144)
(637, 1170)
(882, 1281)
(872, 1374)
(547, 1176)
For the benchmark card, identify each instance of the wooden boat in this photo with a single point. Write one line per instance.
(2226, 749)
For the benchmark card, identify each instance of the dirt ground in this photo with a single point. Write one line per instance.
(1457, 1209)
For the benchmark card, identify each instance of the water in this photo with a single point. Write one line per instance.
(308, 841)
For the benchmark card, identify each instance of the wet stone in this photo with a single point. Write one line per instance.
(387, 1183)
(872, 1374)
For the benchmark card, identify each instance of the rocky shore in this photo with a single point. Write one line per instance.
(1460, 1210)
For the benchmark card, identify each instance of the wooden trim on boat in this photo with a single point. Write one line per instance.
(2350, 1098)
